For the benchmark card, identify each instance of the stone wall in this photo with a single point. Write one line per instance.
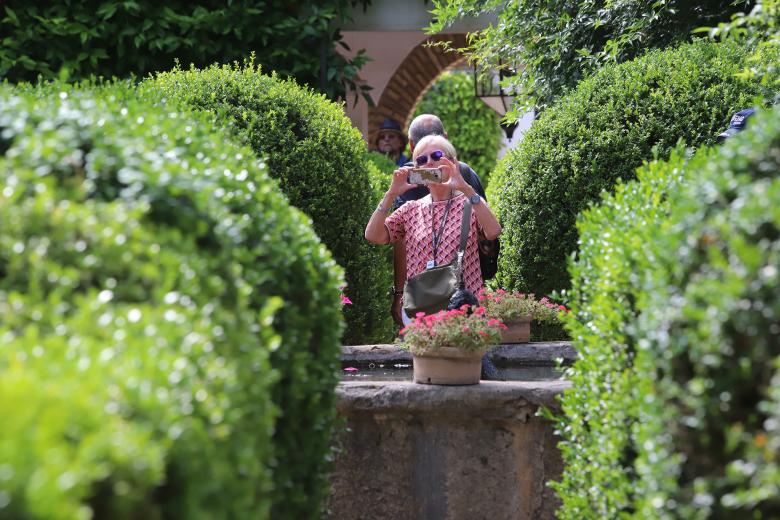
(411, 451)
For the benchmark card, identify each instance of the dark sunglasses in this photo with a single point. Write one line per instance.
(436, 155)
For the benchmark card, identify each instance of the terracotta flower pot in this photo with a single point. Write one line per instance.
(447, 366)
(517, 330)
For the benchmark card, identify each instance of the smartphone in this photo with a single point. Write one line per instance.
(425, 176)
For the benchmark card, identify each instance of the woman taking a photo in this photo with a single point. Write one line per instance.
(430, 227)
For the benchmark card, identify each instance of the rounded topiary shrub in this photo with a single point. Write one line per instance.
(170, 324)
(380, 170)
(673, 409)
(601, 132)
(318, 158)
(471, 125)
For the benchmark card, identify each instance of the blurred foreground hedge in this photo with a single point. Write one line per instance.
(170, 325)
(675, 408)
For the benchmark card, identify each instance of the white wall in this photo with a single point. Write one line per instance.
(522, 127)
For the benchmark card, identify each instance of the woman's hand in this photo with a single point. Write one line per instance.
(376, 231)
(399, 186)
(455, 181)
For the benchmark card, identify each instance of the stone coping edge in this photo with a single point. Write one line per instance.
(488, 400)
(519, 354)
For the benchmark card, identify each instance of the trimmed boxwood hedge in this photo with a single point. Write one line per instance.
(674, 409)
(320, 161)
(380, 173)
(170, 324)
(601, 132)
(711, 326)
(603, 407)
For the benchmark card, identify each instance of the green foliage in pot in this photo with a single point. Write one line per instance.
(318, 157)
(510, 306)
(546, 318)
(117, 38)
(170, 324)
(599, 133)
(471, 125)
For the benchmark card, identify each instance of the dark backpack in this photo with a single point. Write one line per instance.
(488, 258)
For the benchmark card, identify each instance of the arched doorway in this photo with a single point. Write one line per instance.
(412, 79)
(403, 65)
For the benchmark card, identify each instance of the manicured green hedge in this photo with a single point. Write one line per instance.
(602, 408)
(676, 298)
(170, 325)
(471, 125)
(711, 326)
(380, 173)
(319, 159)
(601, 132)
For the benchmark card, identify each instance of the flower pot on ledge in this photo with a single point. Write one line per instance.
(517, 330)
(447, 366)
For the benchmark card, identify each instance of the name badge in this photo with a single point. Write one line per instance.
(430, 264)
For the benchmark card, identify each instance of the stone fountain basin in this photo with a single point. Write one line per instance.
(447, 452)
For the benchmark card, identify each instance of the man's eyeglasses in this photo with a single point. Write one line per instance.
(436, 155)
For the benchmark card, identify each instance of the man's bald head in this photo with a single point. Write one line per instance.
(424, 125)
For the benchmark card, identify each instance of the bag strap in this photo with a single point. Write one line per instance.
(465, 226)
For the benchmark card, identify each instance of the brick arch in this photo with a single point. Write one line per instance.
(412, 79)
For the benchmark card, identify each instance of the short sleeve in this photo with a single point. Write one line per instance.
(396, 223)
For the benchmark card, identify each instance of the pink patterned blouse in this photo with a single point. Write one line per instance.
(414, 224)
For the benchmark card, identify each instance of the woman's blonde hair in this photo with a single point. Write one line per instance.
(437, 140)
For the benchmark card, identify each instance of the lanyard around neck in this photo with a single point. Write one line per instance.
(437, 236)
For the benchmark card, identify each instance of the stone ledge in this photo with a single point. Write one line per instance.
(536, 353)
(489, 399)
(520, 354)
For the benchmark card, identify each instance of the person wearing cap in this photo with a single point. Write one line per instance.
(737, 124)
(390, 140)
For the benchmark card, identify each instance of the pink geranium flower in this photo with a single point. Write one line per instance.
(451, 328)
(508, 306)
